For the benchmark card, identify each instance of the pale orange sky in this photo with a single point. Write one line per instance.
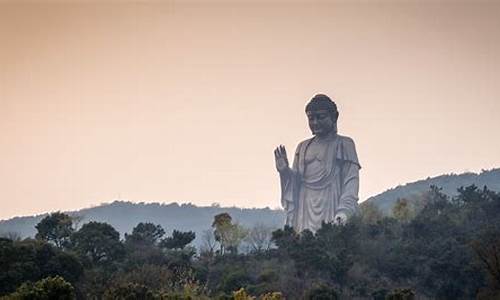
(186, 102)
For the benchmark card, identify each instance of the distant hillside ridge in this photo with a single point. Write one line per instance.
(124, 216)
(448, 183)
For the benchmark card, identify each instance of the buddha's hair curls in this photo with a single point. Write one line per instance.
(321, 102)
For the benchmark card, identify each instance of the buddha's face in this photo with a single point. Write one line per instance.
(321, 122)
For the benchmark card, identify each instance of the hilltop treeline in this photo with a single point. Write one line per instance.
(449, 183)
(123, 216)
(442, 248)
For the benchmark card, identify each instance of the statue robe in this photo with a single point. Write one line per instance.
(313, 193)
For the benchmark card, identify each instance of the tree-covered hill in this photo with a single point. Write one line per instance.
(448, 183)
(447, 249)
(125, 215)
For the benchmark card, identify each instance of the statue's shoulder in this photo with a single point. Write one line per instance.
(347, 149)
(304, 143)
(346, 141)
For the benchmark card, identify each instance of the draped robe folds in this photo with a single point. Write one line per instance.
(315, 192)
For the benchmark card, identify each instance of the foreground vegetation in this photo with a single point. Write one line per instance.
(435, 247)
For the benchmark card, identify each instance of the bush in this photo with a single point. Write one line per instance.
(401, 294)
(129, 291)
(321, 292)
(50, 288)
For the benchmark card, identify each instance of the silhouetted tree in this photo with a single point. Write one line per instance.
(31, 260)
(55, 228)
(98, 242)
(145, 234)
(178, 240)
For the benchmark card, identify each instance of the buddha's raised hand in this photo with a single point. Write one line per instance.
(281, 159)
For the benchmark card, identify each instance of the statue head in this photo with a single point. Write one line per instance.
(322, 115)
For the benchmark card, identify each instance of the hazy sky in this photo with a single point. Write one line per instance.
(186, 102)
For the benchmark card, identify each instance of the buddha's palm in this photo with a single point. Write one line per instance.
(281, 159)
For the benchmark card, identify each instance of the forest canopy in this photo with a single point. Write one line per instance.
(437, 247)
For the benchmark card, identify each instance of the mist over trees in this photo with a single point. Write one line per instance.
(123, 216)
(435, 247)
